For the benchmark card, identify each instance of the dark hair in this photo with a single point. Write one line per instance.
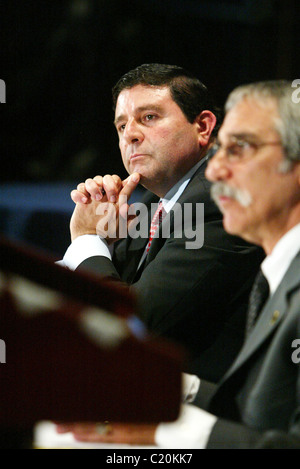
(188, 92)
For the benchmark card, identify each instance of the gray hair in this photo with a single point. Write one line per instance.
(288, 124)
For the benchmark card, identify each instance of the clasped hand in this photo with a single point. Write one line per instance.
(102, 208)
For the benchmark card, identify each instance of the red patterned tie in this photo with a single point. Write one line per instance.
(156, 221)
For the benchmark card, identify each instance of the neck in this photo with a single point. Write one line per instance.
(275, 233)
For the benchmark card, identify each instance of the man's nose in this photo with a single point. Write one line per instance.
(217, 168)
(132, 132)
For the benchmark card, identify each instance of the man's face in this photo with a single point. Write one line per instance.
(155, 138)
(257, 200)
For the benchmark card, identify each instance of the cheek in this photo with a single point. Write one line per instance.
(125, 163)
(174, 134)
(122, 149)
(121, 145)
(188, 139)
(178, 144)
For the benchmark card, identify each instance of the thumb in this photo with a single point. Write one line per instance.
(130, 185)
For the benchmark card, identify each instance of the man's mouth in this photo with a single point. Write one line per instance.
(136, 156)
(224, 198)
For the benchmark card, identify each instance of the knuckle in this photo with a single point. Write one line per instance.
(109, 183)
(98, 179)
(116, 178)
(81, 187)
(74, 195)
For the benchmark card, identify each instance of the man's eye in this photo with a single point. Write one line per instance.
(235, 150)
(240, 149)
(149, 117)
(121, 128)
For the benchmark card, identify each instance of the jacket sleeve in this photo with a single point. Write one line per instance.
(231, 435)
(280, 435)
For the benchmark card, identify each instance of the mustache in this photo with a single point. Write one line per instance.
(219, 189)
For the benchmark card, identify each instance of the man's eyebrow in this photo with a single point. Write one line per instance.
(118, 119)
(243, 136)
(145, 107)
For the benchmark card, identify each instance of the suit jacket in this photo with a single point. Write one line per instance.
(196, 297)
(258, 400)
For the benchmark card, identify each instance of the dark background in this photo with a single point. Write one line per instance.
(60, 58)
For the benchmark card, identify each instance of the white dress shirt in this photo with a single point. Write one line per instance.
(277, 263)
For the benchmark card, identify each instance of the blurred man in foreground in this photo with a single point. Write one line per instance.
(256, 175)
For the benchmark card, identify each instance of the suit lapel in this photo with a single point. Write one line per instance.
(270, 317)
(192, 193)
(136, 246)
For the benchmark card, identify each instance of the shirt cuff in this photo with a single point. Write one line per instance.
(190, 387)
(191, 430)
(82, 248)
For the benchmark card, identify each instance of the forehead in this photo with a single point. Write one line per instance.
(139, 96)
(251, 117)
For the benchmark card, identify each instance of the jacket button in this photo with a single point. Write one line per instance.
(274, 317)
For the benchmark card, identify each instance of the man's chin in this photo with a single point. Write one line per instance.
(230, 225)
(234, 227)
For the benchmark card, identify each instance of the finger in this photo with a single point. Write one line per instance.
(124, 209)
(99, 180)
(65, 427)
(112, 186)
(81, 188)
(94, 188)
(79, 197)
(129, 188)
(124, 182)
(117, 180)
(75, 427)
(120, 433)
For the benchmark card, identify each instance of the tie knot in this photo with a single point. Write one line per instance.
(261, 287)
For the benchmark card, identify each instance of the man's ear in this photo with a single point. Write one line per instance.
(206, 122)
(298, 169)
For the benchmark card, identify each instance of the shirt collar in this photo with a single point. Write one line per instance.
(277, 263)
(173, 195)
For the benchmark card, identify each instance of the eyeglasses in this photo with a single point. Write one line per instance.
(241, 149)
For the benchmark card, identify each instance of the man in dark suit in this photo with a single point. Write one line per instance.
(256, 174)
(189, 289)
